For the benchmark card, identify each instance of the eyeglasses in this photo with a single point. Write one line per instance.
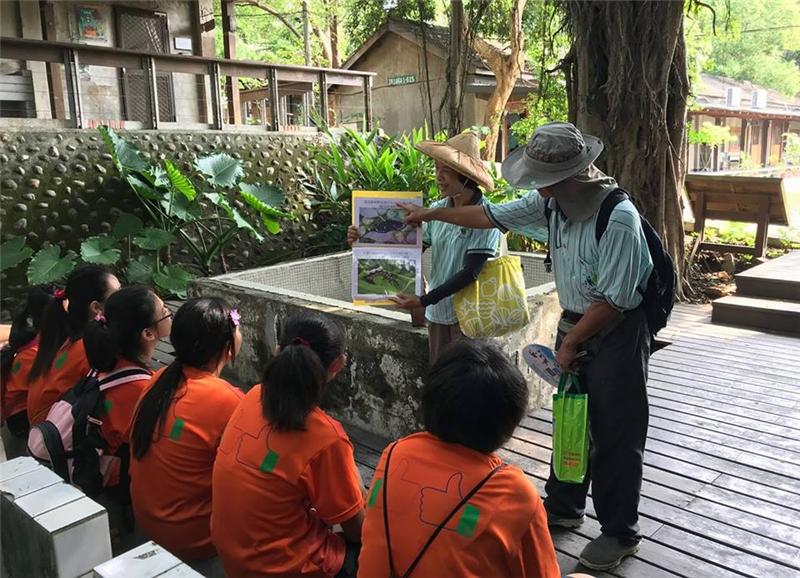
(168, 315)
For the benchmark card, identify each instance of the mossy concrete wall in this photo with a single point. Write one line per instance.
(380, 389)
(59, 186)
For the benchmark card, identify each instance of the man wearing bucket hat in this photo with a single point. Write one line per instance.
(599, 285)
(458, 253)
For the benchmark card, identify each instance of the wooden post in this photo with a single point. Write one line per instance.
(367, 103)
(272, 76)
(229, 48)
(152, 90)
(765, 132)
(323, 97)
(216, 97)
(762, 227)
(202, 12)
(53, 70)
(73, 87)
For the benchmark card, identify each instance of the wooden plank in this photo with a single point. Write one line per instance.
(735, 349)
(745, 383)
(743, 392)
(721, 403)
(709, 363)
(714, 393)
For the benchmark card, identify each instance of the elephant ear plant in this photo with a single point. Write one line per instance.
(201, 210)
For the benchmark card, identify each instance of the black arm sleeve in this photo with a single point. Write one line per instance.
(473, 264)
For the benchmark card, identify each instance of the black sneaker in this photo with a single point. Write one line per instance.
(606, 552)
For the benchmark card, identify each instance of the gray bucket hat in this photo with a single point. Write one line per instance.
(556, 151)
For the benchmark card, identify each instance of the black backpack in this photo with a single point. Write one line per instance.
(658, 297)
(69, 440)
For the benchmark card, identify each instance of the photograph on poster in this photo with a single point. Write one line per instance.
(379, 274)
(380, 221)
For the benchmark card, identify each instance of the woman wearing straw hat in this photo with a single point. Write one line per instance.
(459, 253)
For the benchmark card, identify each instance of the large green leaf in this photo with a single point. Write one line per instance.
(141, 269)
(221, 201)
(174, 280)
(125, 155)
(48, 266)
(13, 252)
(153, 239)
(182, 208)
(221, 170)
(267, 194)
(179, 181)
(127, 225)
(141, 188)
(100, 250)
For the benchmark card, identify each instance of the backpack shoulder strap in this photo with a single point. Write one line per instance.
(55, 449)
(123, 376)
(548, 260)
(392, 573)
(443, 524)
(613, 199)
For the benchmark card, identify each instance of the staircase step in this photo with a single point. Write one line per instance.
(769, 314)
(776, 279)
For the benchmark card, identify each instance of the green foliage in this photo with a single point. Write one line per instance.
(546, 45)
(364, 17)
(48, 265)
(127, 225)
(174, 201)
(173, 280)
(791, 150)
(13, 252)
(221, 170)
(710, 134)
(100, 250)
(755, 41)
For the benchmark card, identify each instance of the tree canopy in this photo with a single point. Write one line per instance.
(756, 40)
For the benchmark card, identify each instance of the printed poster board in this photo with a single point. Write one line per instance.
(387, 259)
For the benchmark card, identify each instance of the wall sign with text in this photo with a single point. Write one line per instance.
(404, 79)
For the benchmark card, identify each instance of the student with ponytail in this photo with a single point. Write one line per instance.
(61, 359)
(125, 336)
(285, 472)
(177, 427)
(17, 359)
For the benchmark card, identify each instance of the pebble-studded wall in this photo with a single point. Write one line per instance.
(59, 186)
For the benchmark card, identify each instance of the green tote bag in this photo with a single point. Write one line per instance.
(570, 430)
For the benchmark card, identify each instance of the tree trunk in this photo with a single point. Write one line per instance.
(627, 84)
(455, 68)
(507, 69)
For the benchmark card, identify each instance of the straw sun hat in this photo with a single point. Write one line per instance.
(462, 153)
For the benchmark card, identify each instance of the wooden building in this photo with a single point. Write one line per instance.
(757, 118)
(396, 53)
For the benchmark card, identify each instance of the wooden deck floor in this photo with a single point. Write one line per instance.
(721, 491)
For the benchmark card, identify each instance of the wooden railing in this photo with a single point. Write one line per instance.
(72, 56)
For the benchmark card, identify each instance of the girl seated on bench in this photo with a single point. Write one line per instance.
(285, 472)
(177, 427)
(61, 359)
(124, 337)
(449, 506)
(17, 359)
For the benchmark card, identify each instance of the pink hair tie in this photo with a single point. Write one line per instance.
(101, 319)
(300, 341)
(59, 294)
(235, 317)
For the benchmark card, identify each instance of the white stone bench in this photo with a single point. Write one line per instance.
(50, 529)
(146, 561)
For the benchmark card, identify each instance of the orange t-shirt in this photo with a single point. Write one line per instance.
(119, 403)
(171, 485)
(501, 531)
(15, 390)
(277, 494)
(69, 365)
